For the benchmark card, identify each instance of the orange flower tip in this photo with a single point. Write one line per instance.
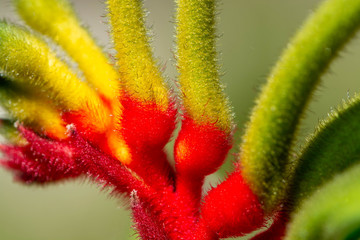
(200, 149)
(115, 144)
(55, 131)
(118, 148)
(58, 132)
(108, 102)
(90, 124)
(122, 153)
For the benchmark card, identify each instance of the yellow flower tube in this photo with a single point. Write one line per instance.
(138, 69)
(31, 111)
(28, 61)
(57, 19)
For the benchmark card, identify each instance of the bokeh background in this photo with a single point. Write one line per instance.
(252, 35)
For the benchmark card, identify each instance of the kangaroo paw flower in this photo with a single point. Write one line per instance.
(111, 122)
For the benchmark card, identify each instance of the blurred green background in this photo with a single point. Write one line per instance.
(252, 35)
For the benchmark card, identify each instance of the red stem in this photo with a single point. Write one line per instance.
(153, 167)
(189, 190)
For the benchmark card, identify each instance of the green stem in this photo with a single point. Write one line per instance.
(202, 93)
(139, 72)
(274, 121)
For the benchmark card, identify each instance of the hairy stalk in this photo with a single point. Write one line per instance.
(202, 93)
(274, 120)
(205, 135)
(42, 118)
(66, 30)
(140, 75)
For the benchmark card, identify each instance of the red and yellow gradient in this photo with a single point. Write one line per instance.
(140, 76)
(67, 98)
(65, 29)
(148, 116)
(101, 113)
(41, 117)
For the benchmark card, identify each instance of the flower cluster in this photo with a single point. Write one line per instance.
(111, 122)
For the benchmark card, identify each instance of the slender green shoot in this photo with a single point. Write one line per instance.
(274, 120)
(202, 93)
(140, 75)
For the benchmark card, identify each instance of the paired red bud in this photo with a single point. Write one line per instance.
(232, 209)
(200, 149)
(146, 125)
